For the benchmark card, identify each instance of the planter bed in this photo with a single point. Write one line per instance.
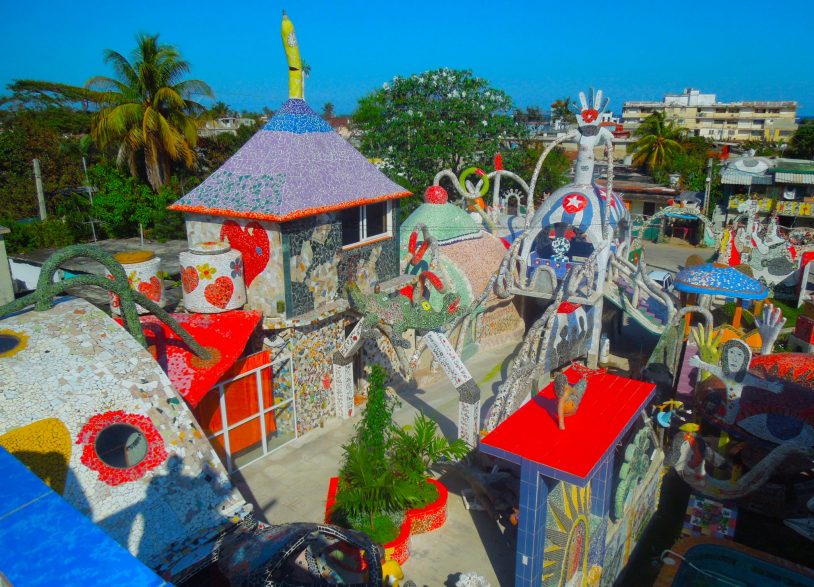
(416, 521)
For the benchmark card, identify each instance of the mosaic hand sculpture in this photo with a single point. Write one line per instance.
(769, 324)
(690, 455)
(707, 343)
(733, 372)
(591, 134)
(568, 396)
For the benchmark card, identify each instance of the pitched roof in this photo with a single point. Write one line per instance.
(295, 166)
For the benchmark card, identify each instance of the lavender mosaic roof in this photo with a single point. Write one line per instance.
(295, 166)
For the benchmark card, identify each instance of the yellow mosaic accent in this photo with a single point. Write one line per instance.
(44, 447)
(20, 346)
(132, 257)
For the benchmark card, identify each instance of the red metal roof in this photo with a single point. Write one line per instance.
(609, 407)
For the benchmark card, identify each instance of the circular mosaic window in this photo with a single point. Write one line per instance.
(11, 342)
(121, 446)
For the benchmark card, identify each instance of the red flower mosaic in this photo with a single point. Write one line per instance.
(156, 453)
(590, 115)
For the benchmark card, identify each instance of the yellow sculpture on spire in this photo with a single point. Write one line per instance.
(292, 53)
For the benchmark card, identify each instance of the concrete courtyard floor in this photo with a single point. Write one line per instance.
(291, 484)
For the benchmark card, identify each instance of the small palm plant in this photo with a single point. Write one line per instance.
(385, 467)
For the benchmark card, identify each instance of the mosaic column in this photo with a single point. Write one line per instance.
(468, 390)
(342, 386)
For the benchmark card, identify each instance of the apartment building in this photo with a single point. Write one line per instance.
(702, 115)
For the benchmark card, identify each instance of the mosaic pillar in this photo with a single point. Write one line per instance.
(531, 531)
(343, 390)
(461, 378)
(342, 386)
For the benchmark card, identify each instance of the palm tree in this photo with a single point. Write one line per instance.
(328, 111)
(658, 143)
(147, 110)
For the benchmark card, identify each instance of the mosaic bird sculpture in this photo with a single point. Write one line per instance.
(568, 396)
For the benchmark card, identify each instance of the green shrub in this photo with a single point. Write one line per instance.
(385, 466)
(123, 202)
(39, 234)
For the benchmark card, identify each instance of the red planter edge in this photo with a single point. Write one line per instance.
(432, 516)
(416, 521)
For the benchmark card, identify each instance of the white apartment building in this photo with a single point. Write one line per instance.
(702, 115)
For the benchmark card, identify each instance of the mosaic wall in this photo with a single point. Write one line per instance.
(570, 554)
(318, 269)
(640, 503)
(312, 353)
(380, 352)
(82, 368)
(500, 321)
(261, 245)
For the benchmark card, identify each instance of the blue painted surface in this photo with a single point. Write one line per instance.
(296, 117)
(45, 542)
(531, 526)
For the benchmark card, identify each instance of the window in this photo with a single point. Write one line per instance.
(121, 446)
(648, 208)
(251, 412)
(366, 222)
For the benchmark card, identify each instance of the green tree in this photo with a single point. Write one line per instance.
(27, 135)
(802, 142)
(438, 119)
(219, 110)
(123, 202)
(658, 144)
(561, 110)
(147, 112)
(328, 111)
(553, 173)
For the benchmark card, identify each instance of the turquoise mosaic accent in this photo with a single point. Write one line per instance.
(245, 192)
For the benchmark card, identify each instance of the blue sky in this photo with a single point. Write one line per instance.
(535, 51)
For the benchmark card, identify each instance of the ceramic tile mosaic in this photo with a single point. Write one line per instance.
(260, 243)
(296, 166)
(318, 268)
(312, 353)
(78, 366)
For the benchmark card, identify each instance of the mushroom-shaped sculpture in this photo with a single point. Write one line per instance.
(721, 280)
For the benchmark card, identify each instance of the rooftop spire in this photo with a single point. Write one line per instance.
(292, 53)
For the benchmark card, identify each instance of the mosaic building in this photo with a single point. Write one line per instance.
(310, 215)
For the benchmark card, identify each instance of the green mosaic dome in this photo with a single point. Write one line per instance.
(447, 222)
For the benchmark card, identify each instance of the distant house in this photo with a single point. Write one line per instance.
(223, 125)
(703, 116)
(784, 186)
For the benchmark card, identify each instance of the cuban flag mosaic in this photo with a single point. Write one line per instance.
(573, 208)
(618, 210)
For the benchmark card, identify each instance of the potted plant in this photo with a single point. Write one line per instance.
(383, 480)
